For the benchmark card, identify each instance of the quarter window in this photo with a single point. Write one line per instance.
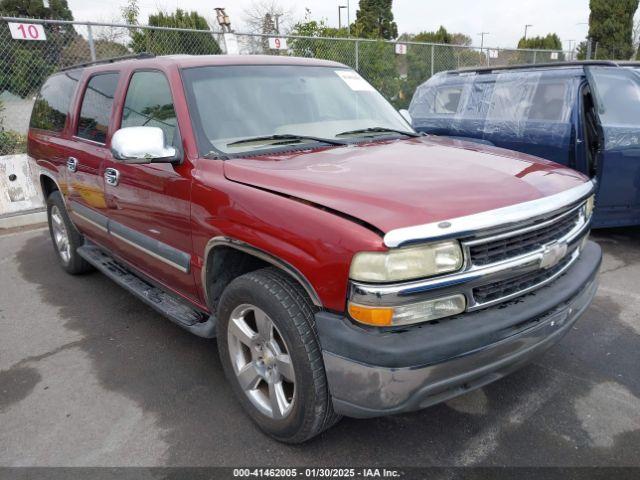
(149, 103)
(51, 108)
(96, 107)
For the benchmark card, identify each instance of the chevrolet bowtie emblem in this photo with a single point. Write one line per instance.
(552, 254)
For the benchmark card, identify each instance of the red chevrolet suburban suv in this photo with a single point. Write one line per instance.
(346, 264)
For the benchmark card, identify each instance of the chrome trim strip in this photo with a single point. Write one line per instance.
(466, 280)
(261, 254)
(89, 221)
(498, 218)
(149, 252)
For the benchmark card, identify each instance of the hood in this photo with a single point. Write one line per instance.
(401, 183)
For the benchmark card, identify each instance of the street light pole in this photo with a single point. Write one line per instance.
(348, 19)
(340, 7)
(482, 34)
(526, 27)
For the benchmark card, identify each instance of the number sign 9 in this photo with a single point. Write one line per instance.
(27, 31)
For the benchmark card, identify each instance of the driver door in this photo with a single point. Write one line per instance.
(149, 204)
(617, 101)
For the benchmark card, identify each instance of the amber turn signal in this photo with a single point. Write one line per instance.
(376, 316)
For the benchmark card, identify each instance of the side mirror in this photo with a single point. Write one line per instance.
(142, 145)
(406, 115)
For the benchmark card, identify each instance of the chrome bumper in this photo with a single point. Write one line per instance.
(369, 376)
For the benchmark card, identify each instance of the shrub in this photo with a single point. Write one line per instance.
(12, 142)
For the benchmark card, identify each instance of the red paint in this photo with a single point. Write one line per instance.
(386, 184)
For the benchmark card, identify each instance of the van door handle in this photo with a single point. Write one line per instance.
(112, 176)
(72, 164)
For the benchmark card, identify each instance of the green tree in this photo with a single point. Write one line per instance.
(27, 63)
(450, 54)
(376, 59)
(374, 19)
(611, 28)
(550, 42)
(163, 42)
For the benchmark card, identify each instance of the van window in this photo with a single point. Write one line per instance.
(549, 102)
(51, 107)
(96, 107)
(617, 95)
(447, 100)
(511, 99)
(149, 103)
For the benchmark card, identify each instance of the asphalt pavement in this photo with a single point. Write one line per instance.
(89, 376)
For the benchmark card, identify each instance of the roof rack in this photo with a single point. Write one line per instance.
(137, 56)
(490, 69)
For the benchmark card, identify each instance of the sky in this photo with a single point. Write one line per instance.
(504, 19)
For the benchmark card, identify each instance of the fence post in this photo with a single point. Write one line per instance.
(92, 47)
(535, 55)
(357, 56)
(588, 49)
(432, 48)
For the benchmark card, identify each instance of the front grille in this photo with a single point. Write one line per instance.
(505, 248)
(504, 288)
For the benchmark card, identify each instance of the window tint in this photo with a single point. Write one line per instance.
(52, 104)
(447, 100)
(549, 102)
(149, 103)
(618, 96)
(96, 107)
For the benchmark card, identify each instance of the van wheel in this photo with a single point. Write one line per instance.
(66, 238)
(270, 353)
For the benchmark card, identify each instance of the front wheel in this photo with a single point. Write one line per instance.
(65, 237)
(270, 353)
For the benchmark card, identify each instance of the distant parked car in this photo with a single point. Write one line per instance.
(585, 115)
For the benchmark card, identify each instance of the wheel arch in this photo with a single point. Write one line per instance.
(226, 258)
(48, 184)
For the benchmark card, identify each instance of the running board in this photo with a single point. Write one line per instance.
(178, 311)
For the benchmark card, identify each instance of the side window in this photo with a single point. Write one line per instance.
(512, 97)
(52, 104)
(149, 103)
(96, 107)
(550, 102)
(447, 100)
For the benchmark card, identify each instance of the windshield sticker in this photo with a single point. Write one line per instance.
(354, 81)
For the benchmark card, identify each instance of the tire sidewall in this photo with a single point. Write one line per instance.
(75, 264)
(245, 291)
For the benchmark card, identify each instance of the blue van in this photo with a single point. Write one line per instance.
(582, 114)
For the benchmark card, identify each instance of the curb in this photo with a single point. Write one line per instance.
(23, 219)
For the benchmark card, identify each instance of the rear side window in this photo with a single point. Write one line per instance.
(96, 107)
(149, 103)
(51, 107)
(447, 100)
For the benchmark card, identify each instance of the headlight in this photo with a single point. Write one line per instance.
(407, 263)
(589, 206)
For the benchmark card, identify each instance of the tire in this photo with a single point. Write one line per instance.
(303, 408)
(65, 237)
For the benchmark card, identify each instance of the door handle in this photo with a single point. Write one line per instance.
(72, 164)
(112, 176)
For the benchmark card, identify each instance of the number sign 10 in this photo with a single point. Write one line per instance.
(27, 31)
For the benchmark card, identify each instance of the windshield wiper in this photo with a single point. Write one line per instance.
(378, 130)
(286, 137)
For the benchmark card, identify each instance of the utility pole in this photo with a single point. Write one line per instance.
(277, 15)
(348, 19)
(340, 7)
(482, 34)
(571, 48)
(526, 27)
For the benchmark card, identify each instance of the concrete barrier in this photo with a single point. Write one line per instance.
(21, 201)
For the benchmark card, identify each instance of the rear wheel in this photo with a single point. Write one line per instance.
(270, 353)
(65, 237)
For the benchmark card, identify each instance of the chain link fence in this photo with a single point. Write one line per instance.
(394, 68)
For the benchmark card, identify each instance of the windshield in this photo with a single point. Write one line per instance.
(229, 104)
